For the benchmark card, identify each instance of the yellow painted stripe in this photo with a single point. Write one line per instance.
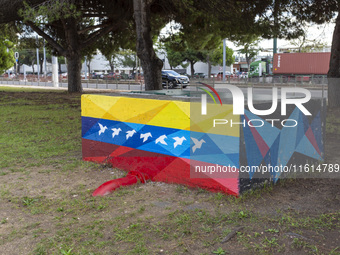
(164, 113)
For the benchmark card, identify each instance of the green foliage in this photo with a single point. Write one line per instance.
(176, 58)
(10, 32)
(219, 251)
(203, 24)
(249, 45)
(216, 55)
(27, 51)
(174, 49)
(27, 201)
(73, 29)
(6, 58)
(49, 12)
(318, 11)
(178, 51)
(118, 48)
(127, 58)
(66, 251)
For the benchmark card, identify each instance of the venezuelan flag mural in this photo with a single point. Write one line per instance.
(170, 141)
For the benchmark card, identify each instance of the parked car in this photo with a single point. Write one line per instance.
(133, 76)
(220, 75)
(11, 75)
(124, 76)
(199, 75)
(97, 75)
(172, 79)
(112, 76)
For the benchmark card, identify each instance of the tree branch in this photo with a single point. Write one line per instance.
(97, 34)
(91, 28)
(50, 40)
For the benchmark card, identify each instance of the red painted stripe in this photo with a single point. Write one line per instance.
(158, 167)
(311, 138)
(261, 144)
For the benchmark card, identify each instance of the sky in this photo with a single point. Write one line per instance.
(322, 33)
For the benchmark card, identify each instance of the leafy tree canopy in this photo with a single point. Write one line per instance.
(6, 48)
(127, 58)
(6, 58)
(216, 56)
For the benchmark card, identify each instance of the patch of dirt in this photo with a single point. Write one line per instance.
(293, 217)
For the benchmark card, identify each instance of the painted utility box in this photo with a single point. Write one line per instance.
(168, 140)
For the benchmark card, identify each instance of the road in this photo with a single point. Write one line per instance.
(263, 92)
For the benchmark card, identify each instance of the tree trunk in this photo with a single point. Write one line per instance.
(192, 70)
(73, 57)
(334, 68)
(33, 67)
(112, 66)
(41, 67)
(151, 64)
(74, 73)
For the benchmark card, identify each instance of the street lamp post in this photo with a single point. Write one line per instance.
(38, 57)
(85, 67)
(45, 69)
(8, 72)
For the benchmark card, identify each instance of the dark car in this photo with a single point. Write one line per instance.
(172, 79)
(199, 75)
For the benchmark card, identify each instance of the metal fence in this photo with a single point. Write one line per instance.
(138, 85)
(33, 80)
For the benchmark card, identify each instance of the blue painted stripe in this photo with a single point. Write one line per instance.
(216, 149)
(144, 137)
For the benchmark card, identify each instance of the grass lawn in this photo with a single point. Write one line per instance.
(46, 205)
